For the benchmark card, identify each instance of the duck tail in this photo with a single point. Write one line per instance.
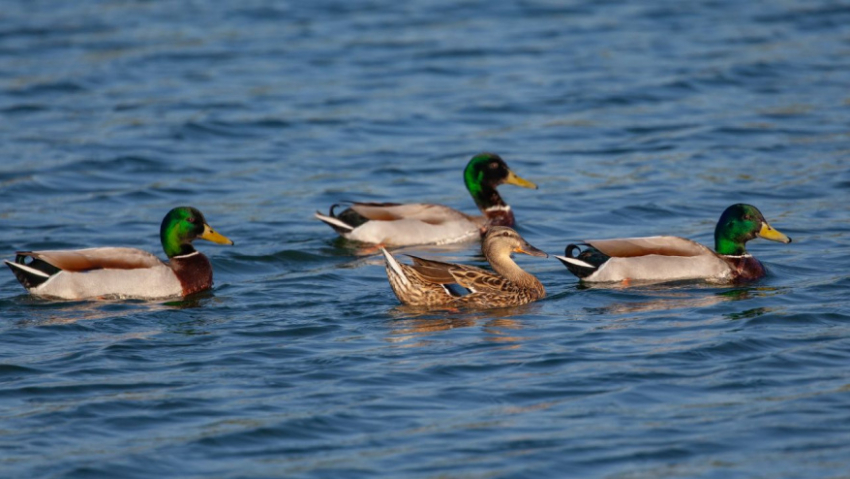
(337, 224)
(394, 270)
(33, 274)
(576, 264)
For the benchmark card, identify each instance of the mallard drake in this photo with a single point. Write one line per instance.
(422, 223)
(107, 273)
(668, 258)
(432, 283)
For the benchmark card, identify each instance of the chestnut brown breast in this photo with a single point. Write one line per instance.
(499, 218)
(194, 272)
(745, 268)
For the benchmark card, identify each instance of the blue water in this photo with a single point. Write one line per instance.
(635, 118)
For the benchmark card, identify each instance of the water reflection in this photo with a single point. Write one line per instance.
(748, 314)
(43, 312)
(190, 302)
(412, 325)
(686, 299)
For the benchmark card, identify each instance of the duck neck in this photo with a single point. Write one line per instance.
(488, 200)
(497, 212)
(503, 264)
(729, 247)
(483, 192)
(173, 242)
(730, 237)
(176, 249)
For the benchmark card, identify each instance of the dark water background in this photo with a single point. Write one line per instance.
(635, 118)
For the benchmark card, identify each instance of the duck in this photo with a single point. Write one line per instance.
(671, 258)
(124, 273)
(395, 224)
(437, 284)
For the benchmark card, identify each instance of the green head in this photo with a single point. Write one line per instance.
(181, 226)
(739, 224)
(484, 173)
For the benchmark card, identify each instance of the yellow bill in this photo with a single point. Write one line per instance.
(210, 235)
(513, 179)
(769, 233)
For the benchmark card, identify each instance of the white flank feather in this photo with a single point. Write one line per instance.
(142, 283)
(661, 268)
(412, 232)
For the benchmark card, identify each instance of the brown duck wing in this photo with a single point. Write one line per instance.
(470, 277)
(96, 258)
(426, 213)
(660, 245)
(433, 271)
(478, 280)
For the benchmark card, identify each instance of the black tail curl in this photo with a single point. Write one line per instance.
(25, 276)
(588, 260)
(568, 251)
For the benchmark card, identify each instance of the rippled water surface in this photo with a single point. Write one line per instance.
(635, 118)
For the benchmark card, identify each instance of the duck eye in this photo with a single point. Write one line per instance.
(494, 165)
(190, 219)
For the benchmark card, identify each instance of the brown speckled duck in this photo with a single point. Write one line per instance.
(115, 273)
(431, 283)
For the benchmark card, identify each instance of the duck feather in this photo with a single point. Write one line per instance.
(95, 258)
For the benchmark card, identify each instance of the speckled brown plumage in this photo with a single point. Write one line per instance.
(429, 283)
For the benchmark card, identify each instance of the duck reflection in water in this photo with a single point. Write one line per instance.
(690, 298)
(414, 325)
(53, 313)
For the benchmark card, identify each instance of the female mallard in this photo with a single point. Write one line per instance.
(97, 273)
(668, 258)
(422, 223)
(429, 283)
